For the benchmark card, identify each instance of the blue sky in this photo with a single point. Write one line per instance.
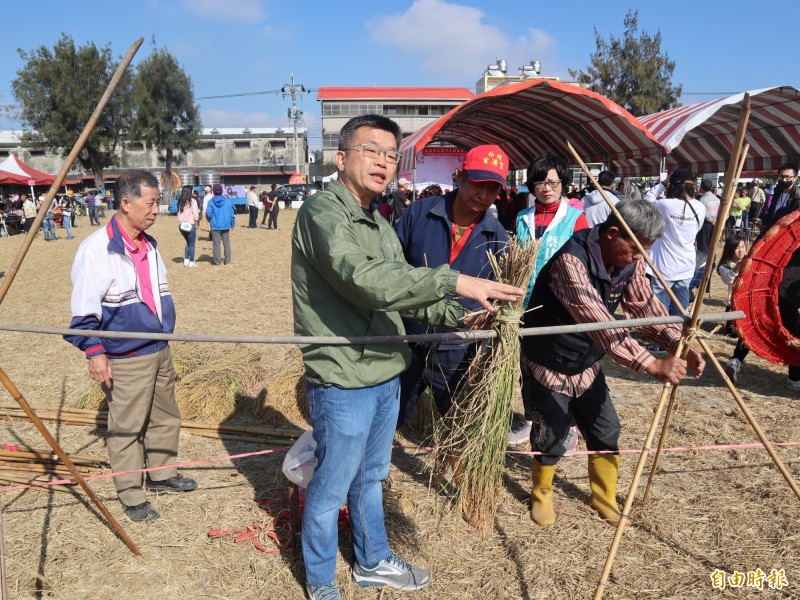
(241, 46)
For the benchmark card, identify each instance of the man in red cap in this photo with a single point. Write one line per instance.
(456, 230)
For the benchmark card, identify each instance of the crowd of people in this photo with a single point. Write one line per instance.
(19, 211)
(367, 263)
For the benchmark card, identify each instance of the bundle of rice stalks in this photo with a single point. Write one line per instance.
(472, 437)
(209, 380)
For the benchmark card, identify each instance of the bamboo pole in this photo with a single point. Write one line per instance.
(12, 272)
(100, 419)
(624, 518)
(51, 441)
(722, 216)
(3, 584)
(382, 339)
(73, 155)
(38, 485)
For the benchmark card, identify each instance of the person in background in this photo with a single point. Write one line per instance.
(222, 217)
(91, 208)
(119, 284)
(594, 207)
(28, 211)
(188, 216)
(400, 199)
(674, 253)
(252, 207)
(757, 200)
(67, 210)
(785, 199)
(48, 226)
(733, 252)
(552, 221)
(274, 207)
(204, 224)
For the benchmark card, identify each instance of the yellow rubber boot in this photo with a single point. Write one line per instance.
(603, 469)
(542, 511)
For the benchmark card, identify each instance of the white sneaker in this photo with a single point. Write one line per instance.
(732, 369)
(792, 385)
(521, 434)
(185, 262)
(191, 264)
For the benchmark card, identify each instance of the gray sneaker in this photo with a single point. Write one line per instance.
(328, 591)
(394, 572)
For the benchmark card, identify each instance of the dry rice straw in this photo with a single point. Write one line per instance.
(472, 437)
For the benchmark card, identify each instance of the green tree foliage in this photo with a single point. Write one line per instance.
(57, 90)
(632, 71)
(166, 115)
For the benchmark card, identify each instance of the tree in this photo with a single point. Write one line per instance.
(166, 115)
(57, 91)
(632, 71)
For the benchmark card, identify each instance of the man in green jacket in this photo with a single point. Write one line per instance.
(349, 278)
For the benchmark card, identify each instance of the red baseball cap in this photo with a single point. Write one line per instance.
(486, 163)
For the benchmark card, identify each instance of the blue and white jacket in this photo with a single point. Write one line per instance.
(106, 296)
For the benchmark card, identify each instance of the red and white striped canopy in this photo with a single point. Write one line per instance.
(535, 117)
(700, 136)
(14, 171)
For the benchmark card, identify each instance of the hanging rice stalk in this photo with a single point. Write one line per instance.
(472, 437)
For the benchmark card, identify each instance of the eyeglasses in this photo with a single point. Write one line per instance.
(539, 185)
(372, 151)
(786, 177)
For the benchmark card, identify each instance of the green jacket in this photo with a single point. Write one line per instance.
(349, 278)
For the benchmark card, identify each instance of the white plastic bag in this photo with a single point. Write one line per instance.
(298, 466)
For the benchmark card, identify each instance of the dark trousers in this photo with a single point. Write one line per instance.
(191, 239)
(253, 216)
(273, 217)
(441, 370)
(93, 219)
(741, 351)
(552, 413)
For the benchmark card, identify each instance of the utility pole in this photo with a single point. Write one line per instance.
(295, 114)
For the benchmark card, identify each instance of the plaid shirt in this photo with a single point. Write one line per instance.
(568, 279)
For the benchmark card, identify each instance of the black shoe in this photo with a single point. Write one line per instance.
(141, 512)
(179, 483)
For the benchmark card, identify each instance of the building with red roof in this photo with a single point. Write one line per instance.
(410, 107)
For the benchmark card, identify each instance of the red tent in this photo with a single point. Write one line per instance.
(534, 117)
(13, 171)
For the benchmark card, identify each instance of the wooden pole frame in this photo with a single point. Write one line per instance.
(687, 333)
(9, 279)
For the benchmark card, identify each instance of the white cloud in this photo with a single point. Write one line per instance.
(235, 10)
(454, 41)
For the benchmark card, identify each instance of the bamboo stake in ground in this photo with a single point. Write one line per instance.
(642, 458)
(722, 216)
(51, 441)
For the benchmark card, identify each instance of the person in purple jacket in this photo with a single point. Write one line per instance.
(119, 284)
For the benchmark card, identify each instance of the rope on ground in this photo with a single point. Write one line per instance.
(382, 339)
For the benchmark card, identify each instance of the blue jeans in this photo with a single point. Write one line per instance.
(49, 229)
(353, 430)
(191, 238)
(67, 221)
(681, 290)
